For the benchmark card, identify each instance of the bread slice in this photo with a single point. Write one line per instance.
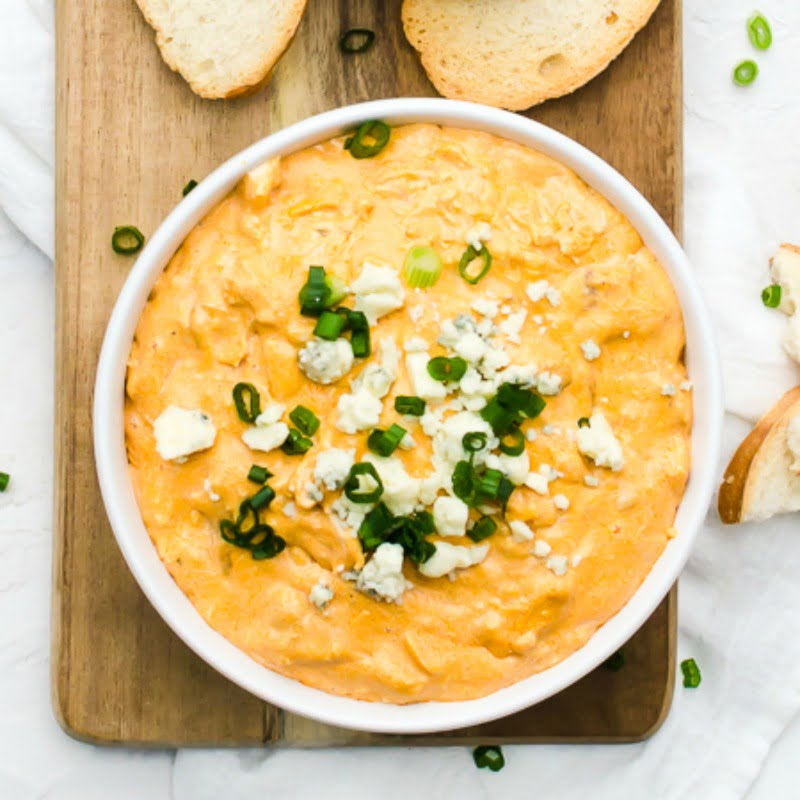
(517, 53)
(763, 478)
(223, 49)
(785, 271)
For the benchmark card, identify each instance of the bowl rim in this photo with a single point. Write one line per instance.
(175, 607)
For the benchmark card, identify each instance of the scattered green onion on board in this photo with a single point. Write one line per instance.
(771, 296)
(745, 72)
(258, 474)
(4, 479)
(615, 662)
(356, 40)
(384, 443)
(127, 240)
(189, 186)
(305, 420)
(482, 529)
(446, 369)
(296, 444)
(369, 139)
(422, 267)
(488, 757)
(465, 266)
(759, 31)
(247, 401)
(691, 673)
(352, 486)
(409, 405)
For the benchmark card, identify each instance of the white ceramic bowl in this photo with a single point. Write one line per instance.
(172, 604)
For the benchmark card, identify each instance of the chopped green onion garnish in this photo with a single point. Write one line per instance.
(615, 661)
(268, 547)
(258, 474)
(247, 409)
(474, 442)
(422, 267)
(337, 290)
(489, 483)
(771, 296)
(380, 525)
(504, 491)
(745, 73)
(352, 486)
(583, 422)
(127, 240)
(412, 406)
(470, 255)
(691, 673)
(510, 406)
(446, 369)
(329, 326)
(296, 444)
(759, 31)
(384, 443)
(361, 343)
(262, 498)
(357, 321)
(356, 40)
(490, 757)
(513, 442)
(4, 479)
(370, 138)
(375, 527)
(501, 419)
(314, 294)
(464, 482)
(189, 186)
(482, 529)
(305, 420)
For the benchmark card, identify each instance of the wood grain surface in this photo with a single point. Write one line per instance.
(130, 134)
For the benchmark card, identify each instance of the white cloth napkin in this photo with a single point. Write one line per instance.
(739, 599)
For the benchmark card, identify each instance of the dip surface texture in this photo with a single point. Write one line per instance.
(573, 305)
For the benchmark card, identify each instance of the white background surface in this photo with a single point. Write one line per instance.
(736, 736)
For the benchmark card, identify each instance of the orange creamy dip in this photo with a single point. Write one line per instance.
(226, 311)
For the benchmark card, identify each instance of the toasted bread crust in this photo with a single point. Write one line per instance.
(733, 489)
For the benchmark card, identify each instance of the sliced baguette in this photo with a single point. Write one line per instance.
(517, 53)
(785, 271)
(223, 49)
(763, 478)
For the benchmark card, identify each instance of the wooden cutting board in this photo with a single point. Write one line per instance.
(130, 135)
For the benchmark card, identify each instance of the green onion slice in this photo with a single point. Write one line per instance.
(4, 479)
(474, 442)
(446, 369)
(329, 326)
(268, 548)
(127, 240)
(504, 491)
(489, 757)
(356, 40)
(759, 31)
(510, 406)
(465, 268)
(296, 444)
(584, 422)
(262, 498)
(615, 662)
(513, 442)
(189, 186)
(247, 401)
(464, 487)
(314, 294)
(384, 443)
(422, 267)
(691, 673)
(352, 486)
(305, 420)
(771, 296)
(337, 290)
(361, 343)
(745, 72)
(482, 529)
(489, 483)
(412, 406)
(375, 527)
(369, 139)
(258, 474)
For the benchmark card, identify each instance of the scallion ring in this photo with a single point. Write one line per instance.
(745, 72)
(247, 401)
(384, 443)
(464, 482)
(759, 31)
(262, 498)
(376, 526)
(584, 422)
(504, 491)
(489, 757)
(296, 444)
(270, 547)
(489, 484)
(329, 326)
(356, 40)
(127, 240)
(305, 420)
(771, 296)
(258, 474)
(314, 294)
(352, 486)
(470, 255)
(422, 267)
(189, 186)
(361, 344)
(482, 529)
(409, 405)
(4, 479)
(691, 673)
(369, 139)
(446, 369)
(474, 442)
(513, 442)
